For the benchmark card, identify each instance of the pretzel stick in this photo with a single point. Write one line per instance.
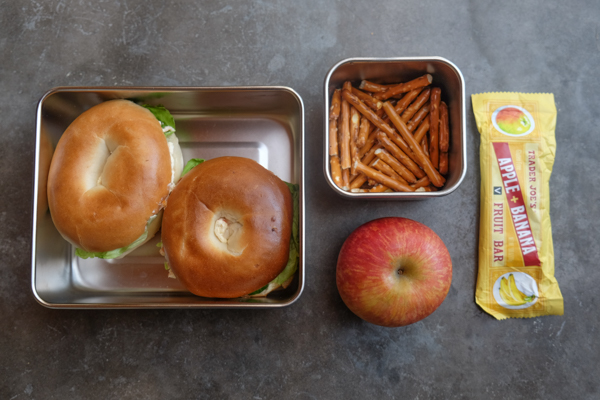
(373, 87)
(354, 127)
(443, 163)
(347, 86)
(434, 141)
(334, 110)
(421, 183)
(444, 128)
(407, 99)
(371, 116)
(354, 123)
(333, 138)
(400, 155)
(358, 181)
(384, 168)
(425, 147)
(405, 87)
(422, 159)
(394, 137)
(418, 117)
(346, 178)
(370, 156)
(382, 178)
(339, 134)
(421, 131)
(363, 132)
(416, 105)
(401, 143)
(336, 172)
(361, 178)
(366, 111)
(354, 120)
(367, 99)
(396, 165)
(379, 189)
(345, 157)
(371, 140)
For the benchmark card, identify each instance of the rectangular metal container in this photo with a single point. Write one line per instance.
(400, 69)
(265, 124)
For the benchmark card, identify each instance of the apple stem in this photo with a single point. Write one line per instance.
(400, 271)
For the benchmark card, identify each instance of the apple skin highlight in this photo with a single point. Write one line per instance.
(393, 271)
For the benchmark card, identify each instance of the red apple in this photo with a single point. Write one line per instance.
(393, 271)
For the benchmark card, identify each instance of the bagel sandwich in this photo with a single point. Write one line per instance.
(45, 157)
(112, 171)
(230, 229)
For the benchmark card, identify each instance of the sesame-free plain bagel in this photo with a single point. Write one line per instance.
(111, 172)
(45, 157)
(226, 228)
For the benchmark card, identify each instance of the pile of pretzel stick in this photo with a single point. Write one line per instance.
(386, 138)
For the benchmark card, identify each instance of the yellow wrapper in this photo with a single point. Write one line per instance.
(516, 256)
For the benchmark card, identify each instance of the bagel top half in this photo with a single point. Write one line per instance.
(111, 170)
(227, 226)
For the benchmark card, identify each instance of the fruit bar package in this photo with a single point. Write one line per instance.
(516, 256)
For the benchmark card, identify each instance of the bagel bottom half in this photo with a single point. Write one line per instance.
(227, 227)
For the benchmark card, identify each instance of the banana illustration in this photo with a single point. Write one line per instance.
(506, 294)
(516, 293)
(511, 294)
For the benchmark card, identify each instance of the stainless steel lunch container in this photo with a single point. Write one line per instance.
(401, 69)
(265, 124)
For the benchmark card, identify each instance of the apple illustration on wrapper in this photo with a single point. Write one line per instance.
(513, 120)
(393, 271)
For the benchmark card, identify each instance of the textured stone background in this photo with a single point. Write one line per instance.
(315, 348)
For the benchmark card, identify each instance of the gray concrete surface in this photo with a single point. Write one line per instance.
(314, 349)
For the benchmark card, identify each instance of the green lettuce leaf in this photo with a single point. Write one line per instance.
(293, 258)
(191, 164)
(163, 116)
(295, 190)
(116, 253)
